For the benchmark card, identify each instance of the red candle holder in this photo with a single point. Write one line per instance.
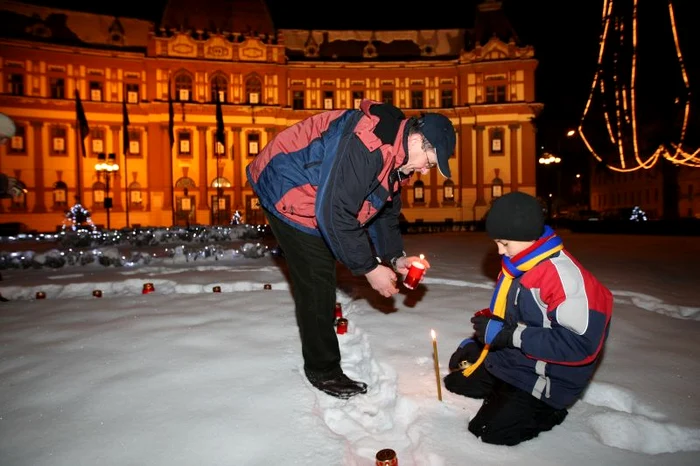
(148, 288)
(40, 295)
(342, 326)
(216, 289)
(97, 293)
(267, 286)
(414, 275)
(386, 457)
(338, 310)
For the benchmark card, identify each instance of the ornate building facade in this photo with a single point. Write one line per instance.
(167, 77)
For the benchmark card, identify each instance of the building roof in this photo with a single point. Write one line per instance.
(483, 20)
(66, 27)
(242, 16)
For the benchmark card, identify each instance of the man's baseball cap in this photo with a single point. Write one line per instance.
(440, 133)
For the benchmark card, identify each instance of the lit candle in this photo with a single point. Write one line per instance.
(435, 363)
(341, 327)
(415, 273)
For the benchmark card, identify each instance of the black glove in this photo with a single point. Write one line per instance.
(493, 331)
(467, 352)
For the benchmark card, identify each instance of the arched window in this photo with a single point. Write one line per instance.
(448, 191)
(220, 182)
(185, 182)
(219, 84)
(60, 194)
(253, 90)
(98, 194)
(418, 191)
(135, 196)
(183, 87)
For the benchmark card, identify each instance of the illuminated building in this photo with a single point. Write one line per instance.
(267, 79)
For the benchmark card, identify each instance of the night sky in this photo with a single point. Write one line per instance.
(565, 35)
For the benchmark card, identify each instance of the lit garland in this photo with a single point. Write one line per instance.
(625, 112)
(83, 247)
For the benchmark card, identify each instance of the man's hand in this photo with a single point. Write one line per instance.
(383, 280)
(403, 263)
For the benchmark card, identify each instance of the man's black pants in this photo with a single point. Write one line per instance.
(508, 415)
(313, 278)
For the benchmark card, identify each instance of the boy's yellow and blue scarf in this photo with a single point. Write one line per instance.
(512, 268)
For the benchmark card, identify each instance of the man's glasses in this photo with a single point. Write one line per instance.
(426, 146)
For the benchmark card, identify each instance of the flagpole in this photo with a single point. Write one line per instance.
(78, 156)
(80, 120)
(171, 140)
(125, 143)
(126, 188)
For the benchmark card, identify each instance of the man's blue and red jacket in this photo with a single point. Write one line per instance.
(328, 176)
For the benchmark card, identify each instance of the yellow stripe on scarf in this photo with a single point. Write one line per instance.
(499, 305)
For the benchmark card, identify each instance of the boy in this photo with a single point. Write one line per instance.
(538, 344)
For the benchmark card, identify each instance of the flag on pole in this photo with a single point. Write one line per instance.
(171, 118)
(83, 127)
(125, 128)
(220, 135)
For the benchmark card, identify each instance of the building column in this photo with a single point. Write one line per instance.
(528, 151)
(480, 200)
(39, 182)
(514, 156)
(465, 161)
(118, 178)
(168, 162)
(271, 132)
(203, 162)
(433, 189)
(239, 177)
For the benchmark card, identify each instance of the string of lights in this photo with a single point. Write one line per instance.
(618, 98)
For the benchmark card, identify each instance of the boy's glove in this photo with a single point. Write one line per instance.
(493, 331)
(467, 353)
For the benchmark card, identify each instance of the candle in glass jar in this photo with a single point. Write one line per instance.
(414, 275)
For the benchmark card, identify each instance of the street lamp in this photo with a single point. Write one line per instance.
(548, 158)
(107, 167)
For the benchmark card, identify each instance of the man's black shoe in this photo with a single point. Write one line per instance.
(340, 386)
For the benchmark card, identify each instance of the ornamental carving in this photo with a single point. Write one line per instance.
(252, 50)
(495, 49)
(182, 45)
(217, 48)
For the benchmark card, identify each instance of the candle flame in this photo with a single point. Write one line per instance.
(421, 257)
(432, 333)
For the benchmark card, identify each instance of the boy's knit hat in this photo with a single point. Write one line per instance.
(516, 216)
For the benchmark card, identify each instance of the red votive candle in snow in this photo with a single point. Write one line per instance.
(414, 275)
(386, 457)
(341, 327)
(338, 310)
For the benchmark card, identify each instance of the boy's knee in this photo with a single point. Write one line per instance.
(457, 383)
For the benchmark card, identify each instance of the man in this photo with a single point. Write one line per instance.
(9, 186)
(330, 187)
(538, 344)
